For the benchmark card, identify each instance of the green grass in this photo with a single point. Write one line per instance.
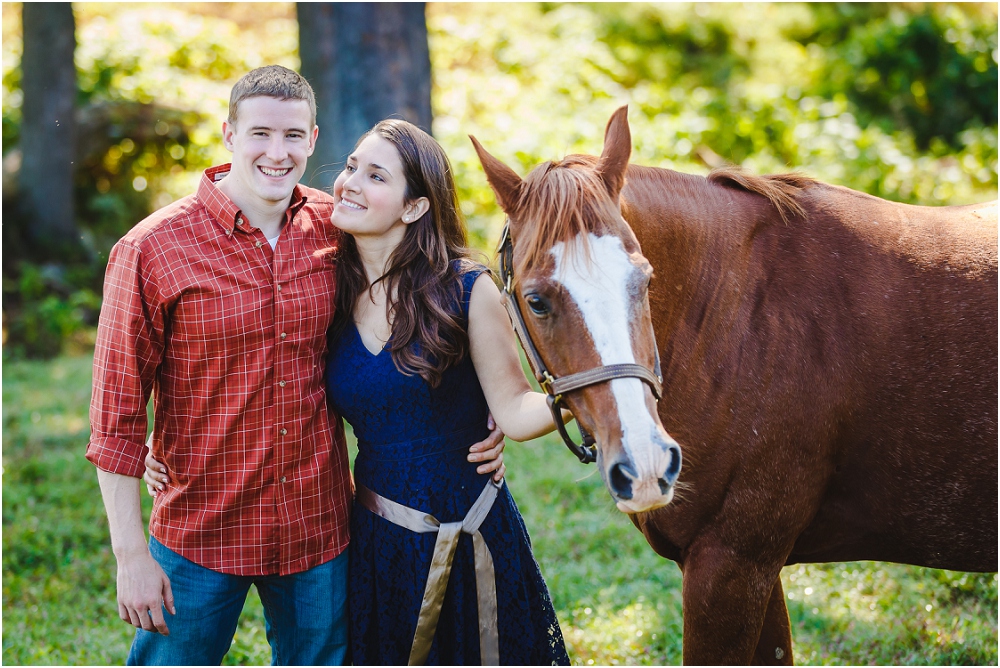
(618, 602)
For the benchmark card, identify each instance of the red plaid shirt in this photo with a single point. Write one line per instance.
(230, 337)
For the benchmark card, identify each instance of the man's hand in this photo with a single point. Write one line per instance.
(155, 476)
(490, 451)
(142, 587)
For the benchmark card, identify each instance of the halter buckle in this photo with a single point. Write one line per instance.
(546, 380)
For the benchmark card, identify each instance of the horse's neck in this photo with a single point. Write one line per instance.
(687, 206)
(695, 238)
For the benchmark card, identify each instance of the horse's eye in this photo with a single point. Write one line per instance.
(538, 306)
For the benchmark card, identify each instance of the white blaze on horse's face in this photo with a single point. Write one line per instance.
(606, 290)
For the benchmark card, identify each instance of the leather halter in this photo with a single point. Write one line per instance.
(554, 387)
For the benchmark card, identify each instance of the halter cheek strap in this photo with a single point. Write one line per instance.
(554, 387)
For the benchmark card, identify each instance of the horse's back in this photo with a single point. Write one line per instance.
(953, 238)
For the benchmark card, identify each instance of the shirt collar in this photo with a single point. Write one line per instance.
(224, 211)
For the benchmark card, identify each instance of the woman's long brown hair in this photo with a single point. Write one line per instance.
(423, 290)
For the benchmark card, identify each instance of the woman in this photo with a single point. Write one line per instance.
(421, 350)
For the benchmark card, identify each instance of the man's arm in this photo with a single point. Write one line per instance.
(126, 356)
(142, 584)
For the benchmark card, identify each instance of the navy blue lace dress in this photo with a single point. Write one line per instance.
(413, 441)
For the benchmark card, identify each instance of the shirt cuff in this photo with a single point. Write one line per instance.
(116, 455)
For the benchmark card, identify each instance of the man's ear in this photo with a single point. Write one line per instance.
(228, 130)
(312, 140)
(415, 209)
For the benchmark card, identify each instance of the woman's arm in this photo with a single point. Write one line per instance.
(520, 412)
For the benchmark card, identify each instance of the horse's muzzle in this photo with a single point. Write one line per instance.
(638, 489)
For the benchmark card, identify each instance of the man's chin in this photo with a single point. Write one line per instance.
(276, 195)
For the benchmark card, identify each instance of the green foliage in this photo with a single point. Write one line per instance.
(768, 86)
(153, 90)
(43, 309)
(158, 81)
(895, 100)
(617, 601)
(11, 80)
(930, 69)
(128, 148)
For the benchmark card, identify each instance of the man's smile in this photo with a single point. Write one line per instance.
(272, 171)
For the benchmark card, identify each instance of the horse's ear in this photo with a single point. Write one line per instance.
(617, 149)
(504, 181)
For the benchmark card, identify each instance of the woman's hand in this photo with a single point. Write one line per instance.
(490, 451)
(155, 477)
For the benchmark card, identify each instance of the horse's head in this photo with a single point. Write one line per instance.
(581, 280)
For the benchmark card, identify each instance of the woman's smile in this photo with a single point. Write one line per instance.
(348, 204)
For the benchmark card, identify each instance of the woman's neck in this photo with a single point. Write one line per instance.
(374, 253)
(370, 312)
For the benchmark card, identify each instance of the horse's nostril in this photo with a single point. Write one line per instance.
(664, 486)
(620, 480)
(675, 463)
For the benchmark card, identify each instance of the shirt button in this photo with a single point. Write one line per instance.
(283, 432)
(259, 244)
(283, 335)
(281, 383)
(283, 479)
(279, 288)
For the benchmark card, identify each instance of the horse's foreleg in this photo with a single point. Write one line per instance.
(726, 600)
(775, 645)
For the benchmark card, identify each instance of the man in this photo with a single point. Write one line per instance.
(219, 305)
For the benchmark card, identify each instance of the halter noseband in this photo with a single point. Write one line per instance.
(554, 387)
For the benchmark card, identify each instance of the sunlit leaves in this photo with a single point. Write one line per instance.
(749, 84)
(768, 85)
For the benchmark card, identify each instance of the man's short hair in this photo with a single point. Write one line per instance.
(272, 81)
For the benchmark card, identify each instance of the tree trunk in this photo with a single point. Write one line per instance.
(366, 62)
(48, 129)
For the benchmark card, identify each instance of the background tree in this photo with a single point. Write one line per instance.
(365, 61)
(48, 129)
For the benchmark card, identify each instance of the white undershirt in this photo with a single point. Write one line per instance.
(274, 242)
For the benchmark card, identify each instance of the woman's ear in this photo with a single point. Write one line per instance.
(415, 209)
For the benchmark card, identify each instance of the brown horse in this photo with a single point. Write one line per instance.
(829, 370)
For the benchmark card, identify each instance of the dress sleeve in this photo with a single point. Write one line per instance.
(470, 272)
(126, 358)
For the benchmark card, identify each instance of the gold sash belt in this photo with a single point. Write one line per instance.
(437, 577)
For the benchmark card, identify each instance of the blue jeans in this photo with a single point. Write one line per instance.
(305, 614)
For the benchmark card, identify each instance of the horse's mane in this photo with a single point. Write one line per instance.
(781, 190)
(562, 199)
